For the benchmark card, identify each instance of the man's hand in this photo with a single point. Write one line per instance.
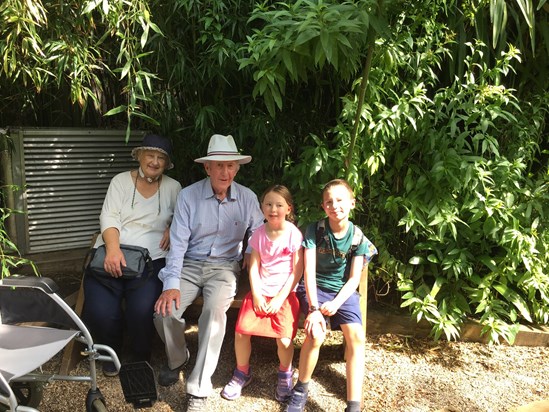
(163, 305)
(329, 308)
(246, 260)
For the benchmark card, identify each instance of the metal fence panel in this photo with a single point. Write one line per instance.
(65, 174)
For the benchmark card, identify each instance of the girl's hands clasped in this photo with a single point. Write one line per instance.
(260, 304)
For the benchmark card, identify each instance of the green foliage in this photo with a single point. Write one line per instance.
(444, 173)
(10, 257)
(473, 214)
(298, 39)
(435, 111)
(106, 45)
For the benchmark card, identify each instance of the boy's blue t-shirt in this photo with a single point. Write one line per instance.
(332, 265)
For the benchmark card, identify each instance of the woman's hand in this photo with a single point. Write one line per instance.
(114, 261)
(165, 241)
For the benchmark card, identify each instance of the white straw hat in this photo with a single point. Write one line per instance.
(223, 148)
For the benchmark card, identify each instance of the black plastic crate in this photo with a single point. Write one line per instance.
(138, 384)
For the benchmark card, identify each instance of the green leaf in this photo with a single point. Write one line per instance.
(439, 281)
(514, 298)
(498, 14)
(489, 262)
(305, 36)
(126, 69)
(490, 226)
(416, 260)
(116, 110)
(146, 117)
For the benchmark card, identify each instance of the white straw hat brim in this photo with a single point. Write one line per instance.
(241, 159)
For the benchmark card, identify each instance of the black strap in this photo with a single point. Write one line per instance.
(356, 240)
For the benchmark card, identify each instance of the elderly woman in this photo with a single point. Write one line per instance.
(137, 211)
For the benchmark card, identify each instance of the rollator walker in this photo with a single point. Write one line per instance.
(35, 325)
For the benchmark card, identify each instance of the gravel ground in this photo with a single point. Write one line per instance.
(402, 375)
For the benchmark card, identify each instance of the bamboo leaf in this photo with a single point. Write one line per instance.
(116, 110)
(498, 16)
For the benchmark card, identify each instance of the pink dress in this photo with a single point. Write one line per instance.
(276, 260)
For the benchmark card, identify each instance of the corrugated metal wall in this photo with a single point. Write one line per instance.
(65, 173)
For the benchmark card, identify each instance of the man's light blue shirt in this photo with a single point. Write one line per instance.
(206, 229)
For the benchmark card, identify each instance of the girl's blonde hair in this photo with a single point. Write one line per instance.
(285, 193)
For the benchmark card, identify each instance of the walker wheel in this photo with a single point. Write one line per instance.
(27, 394)
(95, 402)
(98, 405)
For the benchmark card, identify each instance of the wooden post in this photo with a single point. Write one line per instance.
(363, 290)
(71, 354)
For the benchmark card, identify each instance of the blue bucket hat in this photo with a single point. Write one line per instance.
(155, 142)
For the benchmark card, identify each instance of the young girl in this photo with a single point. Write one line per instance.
(271, 308)
(334, 257)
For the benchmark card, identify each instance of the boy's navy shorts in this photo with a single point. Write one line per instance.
(348, 312)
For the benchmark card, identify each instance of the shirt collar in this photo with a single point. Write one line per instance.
(207, 191)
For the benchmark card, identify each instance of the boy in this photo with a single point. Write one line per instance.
(335, 253)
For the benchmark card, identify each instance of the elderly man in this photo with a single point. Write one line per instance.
(210, 221)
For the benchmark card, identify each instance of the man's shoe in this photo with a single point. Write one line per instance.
(167, 376)
(109, 369)
(196, 404)
(284, 386)
(233, 389)
(297, 402)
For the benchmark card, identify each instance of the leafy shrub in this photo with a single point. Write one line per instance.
(9, 254)
(472, 208)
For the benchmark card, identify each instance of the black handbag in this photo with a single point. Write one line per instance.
(137, 259)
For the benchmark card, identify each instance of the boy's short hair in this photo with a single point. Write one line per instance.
(338, 182)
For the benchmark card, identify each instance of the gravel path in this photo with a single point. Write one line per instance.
(402, 375)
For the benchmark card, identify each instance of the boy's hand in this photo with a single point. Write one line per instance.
(315, 325)
(329, 308)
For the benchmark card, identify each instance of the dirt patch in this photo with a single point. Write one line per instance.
(402, 375)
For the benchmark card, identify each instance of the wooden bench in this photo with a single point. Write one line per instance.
(244, 288)
(72, 356)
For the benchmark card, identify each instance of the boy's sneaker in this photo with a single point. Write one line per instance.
(284, 386)
(297, 401)
(239, 381)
